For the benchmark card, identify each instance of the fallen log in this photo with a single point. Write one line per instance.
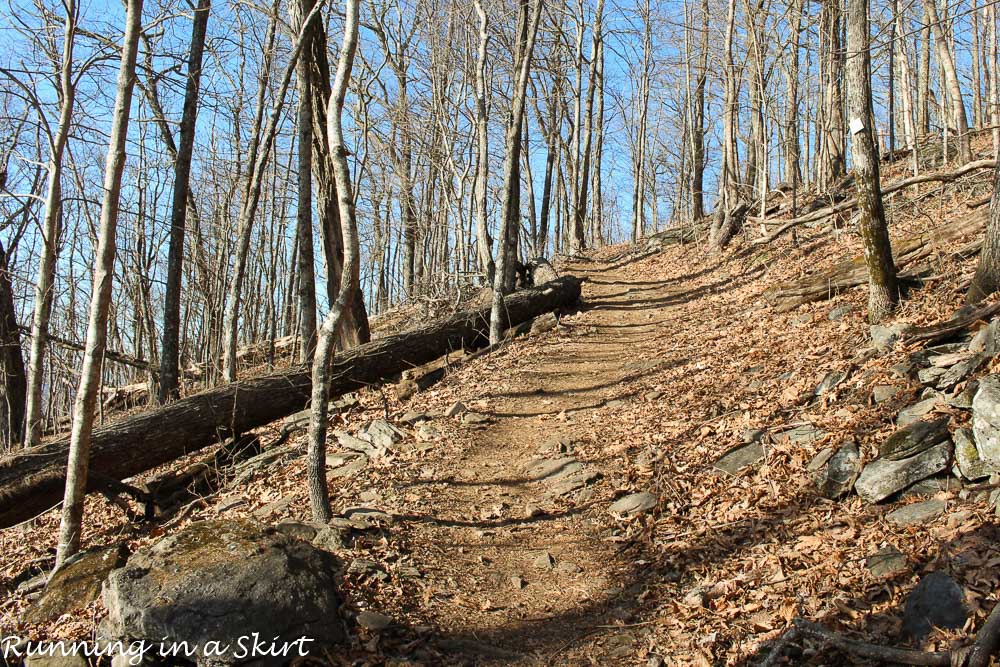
(32, 480)
(939, 177)
(907, 253)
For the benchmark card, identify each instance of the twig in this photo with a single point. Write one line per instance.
(780, 646)
(871, 651)
(987, 640)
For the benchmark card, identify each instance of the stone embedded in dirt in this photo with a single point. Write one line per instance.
(427, 433)
(986, 339)
(57, 660)
(917, 411)
(830, 382)
(517, 582)
(357, 444)
(573, 482)
(364, 518)
(837, 476)
(741, 457)
(557, 468)
(886, 562)
(300, 530)
(345, 466)
(986, 420)
(967, 459)
(914, 513)
(614, 403)
(279, 505)
(457, 409)
(936, 602)
(931, 376)
(329, 538)
(544, 323)
(801, 434)
(414, 417)
(696, 598)
(475, 418)
(634, 504)
(568, 568)
(76, 584)
(374, 621)
(383, 435)
(651, 396)
(883, 392)
(913, 439)
(884, 337)
(753, 435)
(544, 561)
(217, 581)
(882, 478)
(931, 486)
(840, 312)
(961, 371)
(963, 399)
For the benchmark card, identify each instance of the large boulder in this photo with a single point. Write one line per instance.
(986, 420)
(221, 586)
(76, 584)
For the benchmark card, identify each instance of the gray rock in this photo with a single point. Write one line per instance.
(427, 433)
(217, 581)
(741, 457)
(802, 434)
(931, 486)
(634, 504)
(414, 417)
(986, 339)
(651, 396)
(963, 399)
(544, 561)
(936, 602)
(884, 338)
(886, 562)
(883, 392)
(76, 584)
(917, 411)
(914, 513)
(753, 435)
(883, 477)
(299, 530)
(569, 483)
(914, 438)
(931, 376)
(475, 418)
(905, 369)
(517, 582)
(837, 476)
(349, 469)
(56, 660)
(961, 371)
(330, 538)
(840, 312)
(374, 621)
(986, 420)
(556, 468)
(356, 444)
(970, 464)
(568, 568)
(830, 382)
(383, 435)
(456, 409)
(544, 323)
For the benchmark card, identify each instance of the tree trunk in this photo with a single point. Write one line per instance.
(32, 481)
(14, 386)
(484, 242)
(306, 261)
(883, 294)
(170, 348)
(71, 525)
(951, 83)
(987, 278)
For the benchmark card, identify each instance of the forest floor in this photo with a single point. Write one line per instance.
(672, 360)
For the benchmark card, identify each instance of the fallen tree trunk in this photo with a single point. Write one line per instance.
(32, 480)
(853, 272)
(940, 177)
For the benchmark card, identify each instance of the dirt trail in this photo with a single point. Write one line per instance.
(495, 512)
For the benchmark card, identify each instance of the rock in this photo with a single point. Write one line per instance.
(217, 581)
(573, 482)
(753, 435)
(883, 392)
(914, 438)
(356, 444)
(76, 584)
(370, 620)
(884, 338)
(557, 468)
(568, 568)
(544, 561)
(517, 582)
(741, 457)
(456, 410)
(614, 403)
(840, 312)
(883, 477)
(349, 469)
(961, 371)
(915, 412)
(986, 420)
(837, 476)
(931, 486)
(963, 399)
(936, 602)
(886, 562)
(651, 396)
(414, 417)
(383, 435)
(830, 382)
(904, 369)
(970, 464)
(229, 503)
(544, 323)
(329, 538)
(986, 339)
(914, 513)
(427, 433)
(57, 660)
(931, 376)
(696, 598)
(299, 530)
(802, 434)
(475, 418)
(634, 504)
(279, 505)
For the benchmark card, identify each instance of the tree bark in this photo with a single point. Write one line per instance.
(987, 278)
(484, 243)
(883, 294)
(32, 481)
(71, 525)
(954, 88)
(170, 347)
